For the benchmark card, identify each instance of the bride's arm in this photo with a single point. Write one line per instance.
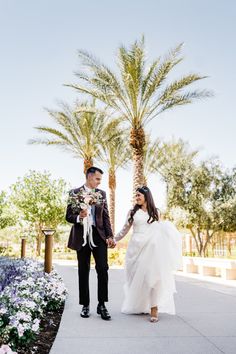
(125, 229)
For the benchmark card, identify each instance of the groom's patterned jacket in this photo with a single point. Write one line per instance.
(102, 219)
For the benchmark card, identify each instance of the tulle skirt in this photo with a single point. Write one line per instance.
(152, 257)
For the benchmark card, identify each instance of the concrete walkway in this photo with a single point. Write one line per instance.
(205, 322)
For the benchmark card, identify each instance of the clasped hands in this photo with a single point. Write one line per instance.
(111, 243)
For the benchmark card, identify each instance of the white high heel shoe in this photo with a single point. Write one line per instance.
(154, 319)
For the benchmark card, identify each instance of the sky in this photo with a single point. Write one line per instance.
(39, 44)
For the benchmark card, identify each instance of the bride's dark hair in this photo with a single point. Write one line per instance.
(151, 208)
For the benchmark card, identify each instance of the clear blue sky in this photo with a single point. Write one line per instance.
(39, 40)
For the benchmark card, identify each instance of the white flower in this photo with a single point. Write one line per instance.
(83, 206)
(31, 304)
(23, 283)
(27, 294)
(20, 330)
(35, 326)
(23, 316)
(14, 322)
(5, 349)
(35, 295)
(87, 199)
(30, 281)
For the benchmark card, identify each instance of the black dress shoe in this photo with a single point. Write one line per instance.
(85, 312)
(102, 310)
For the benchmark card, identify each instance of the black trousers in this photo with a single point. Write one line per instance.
(101, 266)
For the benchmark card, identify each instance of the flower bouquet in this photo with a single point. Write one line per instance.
(83, 199)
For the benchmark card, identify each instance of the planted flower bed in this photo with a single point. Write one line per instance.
(27, 296)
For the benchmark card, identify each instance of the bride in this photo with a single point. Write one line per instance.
(154, 252)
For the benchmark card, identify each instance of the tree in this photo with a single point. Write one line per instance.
(81, 131)
(7, 217)
(206, 200)
(40, 200)
(137, 93)
(224, 202)
(116, 154)
(173, 160)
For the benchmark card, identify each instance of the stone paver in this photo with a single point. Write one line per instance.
(205, 322)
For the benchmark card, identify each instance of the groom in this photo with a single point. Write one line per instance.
(102, 237)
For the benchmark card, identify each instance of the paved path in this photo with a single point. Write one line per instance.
(205, 322)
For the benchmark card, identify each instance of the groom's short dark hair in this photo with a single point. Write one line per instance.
(93, 170)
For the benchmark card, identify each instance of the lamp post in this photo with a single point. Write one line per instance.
(23, 246)
(48, 233)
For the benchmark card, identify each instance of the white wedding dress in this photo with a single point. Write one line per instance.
(153, 253)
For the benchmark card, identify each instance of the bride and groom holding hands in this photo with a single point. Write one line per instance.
(153, 253)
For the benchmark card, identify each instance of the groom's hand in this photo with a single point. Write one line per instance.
(111, 242)
(83, 213)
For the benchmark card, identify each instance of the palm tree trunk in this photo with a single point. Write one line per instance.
(87, 163)
(137, 141)
(112, 197)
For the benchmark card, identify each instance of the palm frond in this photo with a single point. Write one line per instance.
(137, 93)
(53, 132)
(176, 100)
(160, 73)
(103, 79)
(47, 142)
(149, 75)
(178, 85)
(81, 129)
(151, 152)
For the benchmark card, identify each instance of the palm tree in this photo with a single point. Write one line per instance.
(81, 131)
(116, 154)
(151, 153)
(137, 93)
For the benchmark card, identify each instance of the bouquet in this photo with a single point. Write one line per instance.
(83, 199)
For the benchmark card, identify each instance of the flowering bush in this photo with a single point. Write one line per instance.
(5, 349)
(27, 293)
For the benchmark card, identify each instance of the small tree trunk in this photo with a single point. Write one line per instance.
(213, 247)
(87, 163)
(38, 244)
(205, 251)
(206, 243)
(38, 239)
(112, 197)
(197, 243)
(229, 244)
(137, 141)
